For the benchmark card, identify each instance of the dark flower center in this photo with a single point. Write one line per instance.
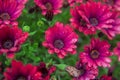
(81, 67)
(82, 22)
(5, 16)
(94, 54)
(58, 44)
(21, 78)
(49, 6)
(44, 72)
(65, 4)
(82, 71)
(49, 15)
(8, 44)
(93, 21)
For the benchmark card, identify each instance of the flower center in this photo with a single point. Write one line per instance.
(59, 44)
(21, 78)
(5, 16)
(49, 6)
(8, 44)
(93, 21)
(65, 4)
(49, 15)
(82, 71)
(44, 72)
(94, 54)
(82, 22)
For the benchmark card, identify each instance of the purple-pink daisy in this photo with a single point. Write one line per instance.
(60, 39)
(87, 73)
(115, 29)
(11, 39)
(91, 16)
(10, 10)
(96, 53)
(49, 6)
(113, 4)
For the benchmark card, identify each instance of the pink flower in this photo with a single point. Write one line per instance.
(114, 4)
(79, 23)
(92, 16)
(117, 50)
(43, 73)
(60, 39)
(114, 30)
(49, 6)
(11, 38)
(87, 73)
(96, 53)
(18, 71)
(11, 9)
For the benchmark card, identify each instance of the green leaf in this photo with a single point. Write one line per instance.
(32, 33)
(61, 66)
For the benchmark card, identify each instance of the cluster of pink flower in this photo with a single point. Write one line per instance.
(88, 16)
(18, 71)
(11, 38)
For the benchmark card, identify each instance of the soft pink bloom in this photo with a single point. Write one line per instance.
(10, 10)
(92, 16)
(87, 73)
(60, 39)
(49, 6)
(114, 4)
(114, 30)
(11, 38)
(80, 24)
(96, 53)
(117, 51)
